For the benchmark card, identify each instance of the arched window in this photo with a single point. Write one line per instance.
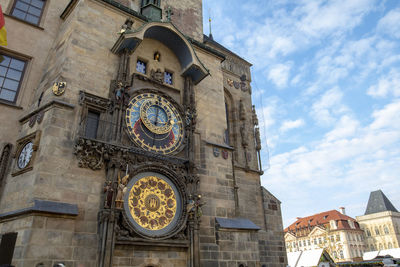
(386, 229)
(368, 232)
(230, 115)
(376, 230)
(227, 131)
(380, 246)
(390, 245)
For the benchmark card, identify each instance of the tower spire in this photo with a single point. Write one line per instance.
(209, 23)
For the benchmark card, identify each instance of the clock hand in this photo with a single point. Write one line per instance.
(157, 116)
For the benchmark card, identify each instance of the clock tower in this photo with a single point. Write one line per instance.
(135, 142)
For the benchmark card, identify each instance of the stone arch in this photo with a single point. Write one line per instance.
(170, 36)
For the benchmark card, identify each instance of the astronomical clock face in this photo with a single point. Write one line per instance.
(154, 123)
(153, 204)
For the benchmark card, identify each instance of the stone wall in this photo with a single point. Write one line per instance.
(271, 241)
(138, 256)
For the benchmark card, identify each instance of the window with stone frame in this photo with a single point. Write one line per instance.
(11, 74)
(376, 231)
(92, 124)
(28, 10)
(368, 232)
(141, 66)
(386, 229)
(148, 2)
(168, 77)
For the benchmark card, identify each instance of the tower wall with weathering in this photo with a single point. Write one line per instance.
(229, 176)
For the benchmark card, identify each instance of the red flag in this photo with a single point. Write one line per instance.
(3, 31)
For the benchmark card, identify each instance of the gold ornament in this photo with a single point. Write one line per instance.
(157, 124)
(152, 203)
(59, 88)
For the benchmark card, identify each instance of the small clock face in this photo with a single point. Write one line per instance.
(154, 123)
(25, 155)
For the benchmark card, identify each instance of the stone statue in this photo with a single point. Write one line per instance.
(242, 112)
(119, 200)
(254, 116)
(258, 139)
(108, 194)
(243, 134)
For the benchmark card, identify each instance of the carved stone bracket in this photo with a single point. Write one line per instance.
(93, 154)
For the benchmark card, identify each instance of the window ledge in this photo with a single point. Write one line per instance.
(23, 21)
(10, 104)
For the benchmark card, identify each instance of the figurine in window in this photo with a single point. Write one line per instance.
(157, 56)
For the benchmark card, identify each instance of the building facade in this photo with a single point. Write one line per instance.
(337, 233)
(128, 138)
(380, 223)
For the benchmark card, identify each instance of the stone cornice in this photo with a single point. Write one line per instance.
(45, 106)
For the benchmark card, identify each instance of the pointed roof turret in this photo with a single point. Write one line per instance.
(378, 202)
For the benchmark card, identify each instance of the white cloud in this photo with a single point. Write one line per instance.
(291, 124)
(345, 127)
(328, 107)
(341, 166)
(388, 117)
(390, 24)
(320, 18)
(387, 85)
(279, 74)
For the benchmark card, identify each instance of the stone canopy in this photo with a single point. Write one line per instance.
(169, 35)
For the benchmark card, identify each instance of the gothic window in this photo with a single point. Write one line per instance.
(92, 124)
(168, 77)
(11, 73)
(141, 66)
(28, 10)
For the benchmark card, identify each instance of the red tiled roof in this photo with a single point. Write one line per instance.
(322, 219)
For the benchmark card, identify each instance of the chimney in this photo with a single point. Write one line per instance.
(342, 210)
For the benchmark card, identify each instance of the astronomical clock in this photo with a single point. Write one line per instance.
(154, 123)
(147, 125)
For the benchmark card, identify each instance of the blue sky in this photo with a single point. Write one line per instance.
(326, 84)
